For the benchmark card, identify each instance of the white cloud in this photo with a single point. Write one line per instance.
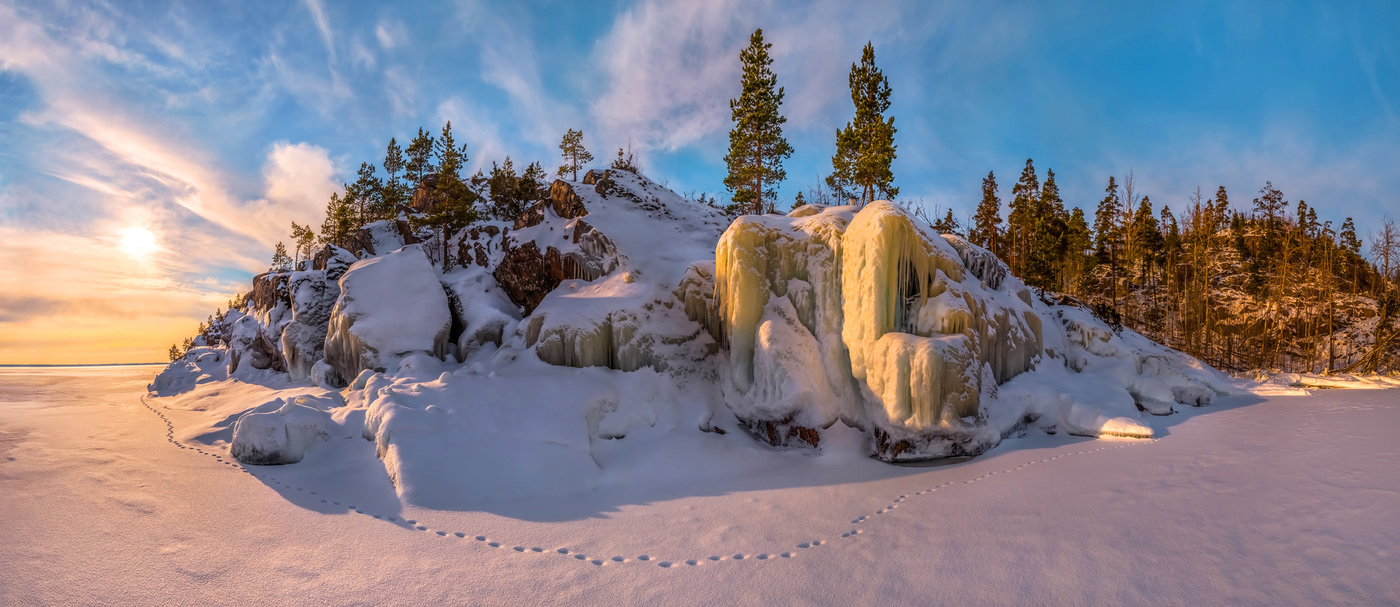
(300, 178)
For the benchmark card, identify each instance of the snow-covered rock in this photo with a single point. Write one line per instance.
(481, 311)
(389, 307)
(200, 365)
(313, 295)
(282, 435)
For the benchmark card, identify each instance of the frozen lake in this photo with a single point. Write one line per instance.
(1255, 500)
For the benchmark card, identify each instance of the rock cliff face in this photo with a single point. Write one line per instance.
(555, 244)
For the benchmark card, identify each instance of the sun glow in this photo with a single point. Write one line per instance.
(138, 242)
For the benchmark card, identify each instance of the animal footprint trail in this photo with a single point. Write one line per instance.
(581, 558)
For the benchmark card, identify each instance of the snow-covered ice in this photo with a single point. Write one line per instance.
(1256, 499)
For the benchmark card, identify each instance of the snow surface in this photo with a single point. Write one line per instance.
(1256, 499)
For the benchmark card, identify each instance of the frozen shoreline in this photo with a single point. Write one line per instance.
(1256, 499)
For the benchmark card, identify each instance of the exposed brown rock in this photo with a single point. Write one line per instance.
(592, 176)
(524, 275)
(782, 433)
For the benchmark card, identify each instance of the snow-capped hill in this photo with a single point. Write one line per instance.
(616, 331)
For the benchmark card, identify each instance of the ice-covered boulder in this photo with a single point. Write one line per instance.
(313, 295)
(389, 307)
(250, 347)
(864, 315)
(282, 435)
(481, 311)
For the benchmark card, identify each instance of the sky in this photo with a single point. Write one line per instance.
(152, 155)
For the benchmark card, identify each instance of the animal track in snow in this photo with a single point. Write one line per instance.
(620, 560)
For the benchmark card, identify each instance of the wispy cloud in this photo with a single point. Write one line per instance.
(323, 25)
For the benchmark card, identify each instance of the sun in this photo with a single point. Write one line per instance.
(138, 242)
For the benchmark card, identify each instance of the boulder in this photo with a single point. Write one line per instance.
(389, 307)
(424, 196)
(279, 436)
(562, 200)
(527, 275)
(250, 344)
(481, 311)
(313, 296)
(334, 260)
(380, 237)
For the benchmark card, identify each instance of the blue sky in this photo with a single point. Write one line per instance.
(150, 156)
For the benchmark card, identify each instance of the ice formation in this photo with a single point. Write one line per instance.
(877, 311)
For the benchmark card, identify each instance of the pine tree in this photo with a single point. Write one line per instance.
(985, 223)
(948, 224)
(1020, 222)
(456, 207)
(1108, 236)
(1048, 246)
(1079, 242)
(302, 241)
(1147, 235)
(367, 194)
(420, 153)
(575, 155)
(280, 261)
(756, 144)
(394, 192)
(335, 229)
(865, 149)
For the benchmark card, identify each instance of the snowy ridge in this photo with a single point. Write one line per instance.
(668, 336)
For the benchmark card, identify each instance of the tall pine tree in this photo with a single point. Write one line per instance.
(575, 155)
(865, 149)
(988, 219)
(1025, 197)
(756, 144)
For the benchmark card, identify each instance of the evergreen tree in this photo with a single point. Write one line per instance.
(303, 239)
(575, 155)
(335, 229)
(1147, 235)
(1025, 196)
(988, 219)
(456, 203)
(1106, 222)
(948, 224)
(756, 144)
(367, 194)
(865, 149)
(1220, 210)
(1079, 242)
(625, 162)
(1048, 245)
(420, 153)
(280, 261)
(394, 192)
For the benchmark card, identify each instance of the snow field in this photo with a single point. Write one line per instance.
(264, 473)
